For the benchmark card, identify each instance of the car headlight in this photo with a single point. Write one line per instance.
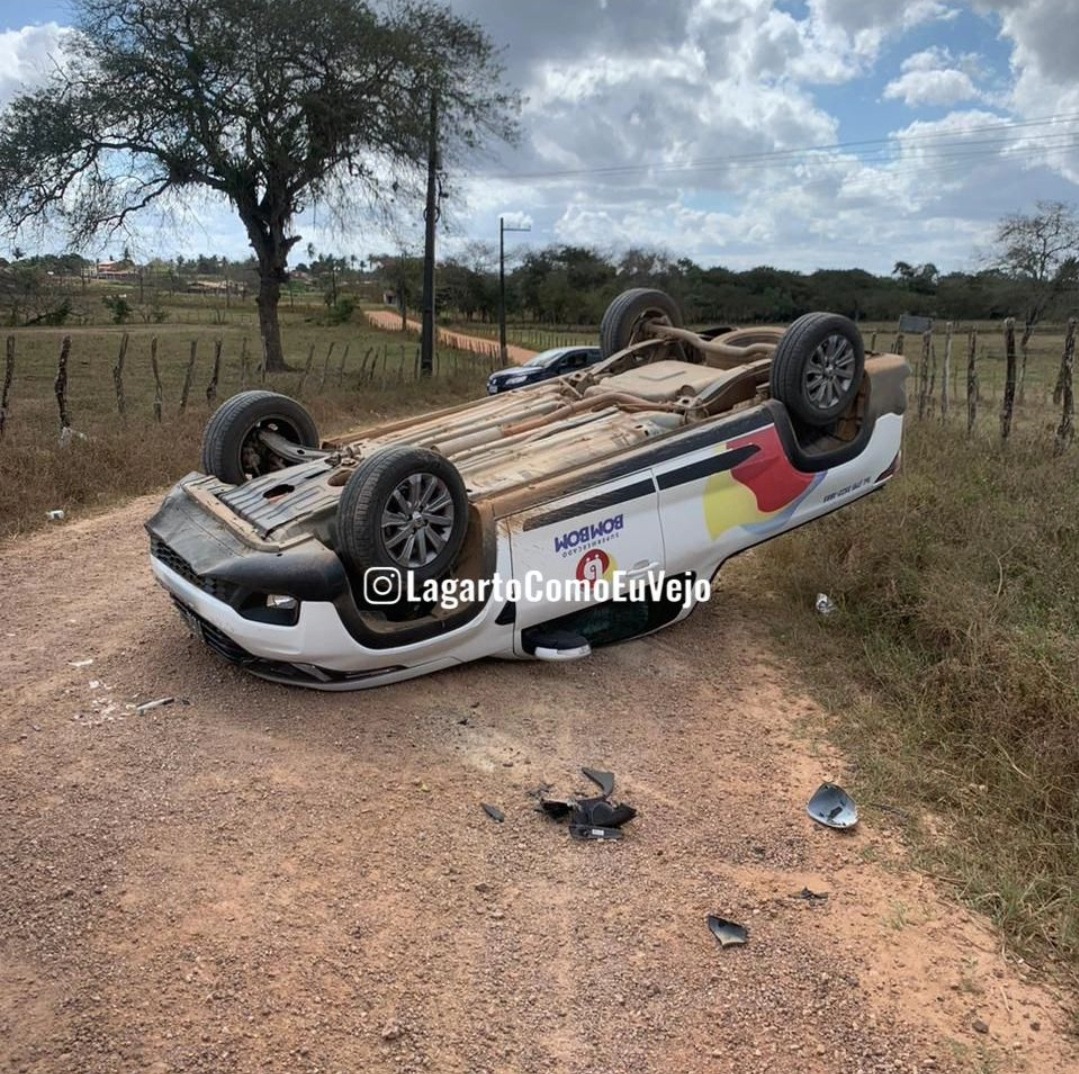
(512, 382)
(281, 601)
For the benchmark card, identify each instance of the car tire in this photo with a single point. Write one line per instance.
(230, 451)
(382, 499)
(818, 367)
(629, 312)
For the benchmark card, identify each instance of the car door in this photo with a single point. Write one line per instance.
(733, 487)
(596, 540)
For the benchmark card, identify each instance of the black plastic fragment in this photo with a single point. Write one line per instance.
(594, 832)
(598, 812)
(806, 893)
(493, 812)
(729, 933)
(604, 780)
(557, 808)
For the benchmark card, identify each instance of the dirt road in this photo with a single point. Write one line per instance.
(390, 321)
(273, 880)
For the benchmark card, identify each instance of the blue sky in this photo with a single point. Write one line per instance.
(797, 133)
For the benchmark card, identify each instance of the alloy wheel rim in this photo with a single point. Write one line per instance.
(829, 373)
(417, 520)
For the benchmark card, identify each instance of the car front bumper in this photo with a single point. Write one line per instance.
(219, 581)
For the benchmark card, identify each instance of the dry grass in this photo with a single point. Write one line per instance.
(114, 458)
(953, 662)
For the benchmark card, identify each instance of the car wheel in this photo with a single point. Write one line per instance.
(627, 315)
(818, 367)
(231, 448)
(405, 510)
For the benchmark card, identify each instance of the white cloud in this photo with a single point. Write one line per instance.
(26, 57)
(1045, 39)
(934, 77)
(685, 127)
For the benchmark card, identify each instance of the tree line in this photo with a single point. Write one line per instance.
(573, 285)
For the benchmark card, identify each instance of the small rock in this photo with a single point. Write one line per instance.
(1035, 1026)
(979, 1026)
(482, 887)
(392, 1031)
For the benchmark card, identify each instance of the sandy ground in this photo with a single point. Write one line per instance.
(268, 879)
(387, 319)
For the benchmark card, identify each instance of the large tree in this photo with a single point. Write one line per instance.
(270, 104)
(1040, 251)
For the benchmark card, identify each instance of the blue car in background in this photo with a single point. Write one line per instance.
(545, 366)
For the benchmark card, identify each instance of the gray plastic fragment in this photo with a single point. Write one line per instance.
(833, 807)
(729, 933)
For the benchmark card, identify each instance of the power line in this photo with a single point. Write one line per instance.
(872, 150)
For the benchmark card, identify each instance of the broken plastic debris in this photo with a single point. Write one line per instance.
(604, 780)
(825, 604)
(599, 813)
(55, 516)
(493, 812)
(833, 807)
(806, 893)
(557, 808)
(599, 834)
(729, 933)
(147, 706)
(81, 663)
(590, 818)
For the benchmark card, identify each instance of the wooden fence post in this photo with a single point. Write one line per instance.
(118, 376)
(1007, 404)
(341, 364)
(326, 365)
(972, 380)
(1066, 430)
(159, 392)
(188, 376)
(211, 388)
(1024, 350)
(923, 375)
(898, 348)
(306, 370)
(945, 380)
(9, 375)
(243, 363)
(60, 386)
(873, 342)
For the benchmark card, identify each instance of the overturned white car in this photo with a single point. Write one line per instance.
(535, 524)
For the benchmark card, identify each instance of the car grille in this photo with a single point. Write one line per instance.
(223, 591)
(214, 637)
(221, 644)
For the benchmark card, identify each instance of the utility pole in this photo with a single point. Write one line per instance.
(430, 215)
(502, 229)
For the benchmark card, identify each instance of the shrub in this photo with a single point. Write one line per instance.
(119, 307)
(341, 311)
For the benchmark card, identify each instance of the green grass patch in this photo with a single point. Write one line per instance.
(952, 664)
